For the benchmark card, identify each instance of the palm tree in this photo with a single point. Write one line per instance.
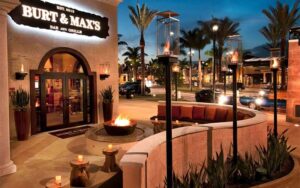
(284, 19)
(120, 42)
(227, 28)
(272, 34)
(141, 17)
(201, 41)
(188, 40)
(132, 59)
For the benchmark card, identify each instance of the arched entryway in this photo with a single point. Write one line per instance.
(63, 91)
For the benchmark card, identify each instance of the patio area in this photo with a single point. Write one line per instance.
(43, 156)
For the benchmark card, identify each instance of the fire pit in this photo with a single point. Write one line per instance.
(120, 126)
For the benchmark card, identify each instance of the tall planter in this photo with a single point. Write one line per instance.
(107, 111)
(22, 124)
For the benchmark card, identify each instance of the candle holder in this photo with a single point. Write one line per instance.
(79, 175)
(104, 71)
(21, 75)
(110, 164)
(52, 183)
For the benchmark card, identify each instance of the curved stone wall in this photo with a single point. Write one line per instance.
(144, 165)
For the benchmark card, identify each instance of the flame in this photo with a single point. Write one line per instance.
(167, 48)
(122, 121)
(235, 57)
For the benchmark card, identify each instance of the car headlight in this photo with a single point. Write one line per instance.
(259, 101)
(261, 93)
(222, 99)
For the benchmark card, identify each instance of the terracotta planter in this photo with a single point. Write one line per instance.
(22, 124)
(107, 111)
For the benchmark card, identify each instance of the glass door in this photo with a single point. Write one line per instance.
(77, 99)
(63, 100)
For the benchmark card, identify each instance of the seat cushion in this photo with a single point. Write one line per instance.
(199, 112)
(186, 112)
(210, 113)
(221, 114)
(161, 110)
(240, 115)
(229, 116)
(176, 112)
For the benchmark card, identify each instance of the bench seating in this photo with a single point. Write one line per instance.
(200, 113)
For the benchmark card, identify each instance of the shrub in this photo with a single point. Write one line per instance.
(107, 95)
(273, 158)
(20, 99)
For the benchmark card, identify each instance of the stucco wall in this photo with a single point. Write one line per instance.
(28, 46)
(293, 88)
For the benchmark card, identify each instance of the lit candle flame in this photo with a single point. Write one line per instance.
(110, 147)
(156, 119)
(177, 121)
(79, 158)
(58, 180)
(167, 48)
(22, 68)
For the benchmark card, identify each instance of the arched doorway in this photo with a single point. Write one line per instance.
(62, 91)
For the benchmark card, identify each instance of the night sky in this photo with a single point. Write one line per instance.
(247, 12)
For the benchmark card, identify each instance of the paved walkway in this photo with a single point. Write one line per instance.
(43, 156)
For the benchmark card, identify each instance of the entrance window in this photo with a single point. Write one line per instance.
(64, 63)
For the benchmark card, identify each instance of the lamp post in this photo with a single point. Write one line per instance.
(224, 71)
(176, 70)
(232, 64)
(191, 54)
(215, 28)
(167, 53)
(274, 65)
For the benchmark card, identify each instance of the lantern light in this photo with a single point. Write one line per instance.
(275, 58)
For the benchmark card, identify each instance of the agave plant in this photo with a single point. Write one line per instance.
(217, 175)
(195, 177)
(273, 158)
(20, 99)
(107, 95)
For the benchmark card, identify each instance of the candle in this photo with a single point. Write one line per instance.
(196, 123)
(110, 146)
(58, 180)
(22, 68)
(177, 121)
(79, 158)
(156, 119)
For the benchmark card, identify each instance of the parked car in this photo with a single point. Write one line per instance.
(132, 88)
(206, 95)
(261, 102)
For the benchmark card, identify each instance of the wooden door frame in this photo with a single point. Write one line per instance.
(92, 76)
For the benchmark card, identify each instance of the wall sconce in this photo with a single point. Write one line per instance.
(22, 74)
(104, 71)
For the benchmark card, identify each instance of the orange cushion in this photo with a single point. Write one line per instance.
(229, 116)
(240, 115)
(221, 114)
(210, 113)
(161, 110)
(198, 112)
(186, 112)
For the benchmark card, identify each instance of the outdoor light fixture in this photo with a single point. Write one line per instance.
(223, 99)
(167, 54)
(104, 71)
(224, 69)
(22, 74)
(215, 28)
(176, 70)
(274, 65)
(233, 58)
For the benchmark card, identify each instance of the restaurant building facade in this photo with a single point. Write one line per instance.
(56, 50)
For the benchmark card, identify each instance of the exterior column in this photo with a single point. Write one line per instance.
(6, 165)
(264, 77)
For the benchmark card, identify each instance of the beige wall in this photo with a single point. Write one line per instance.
(28, 46)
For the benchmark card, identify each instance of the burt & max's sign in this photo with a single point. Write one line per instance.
(44, 15)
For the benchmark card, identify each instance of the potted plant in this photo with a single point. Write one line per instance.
(107, 103)
(20, 100)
